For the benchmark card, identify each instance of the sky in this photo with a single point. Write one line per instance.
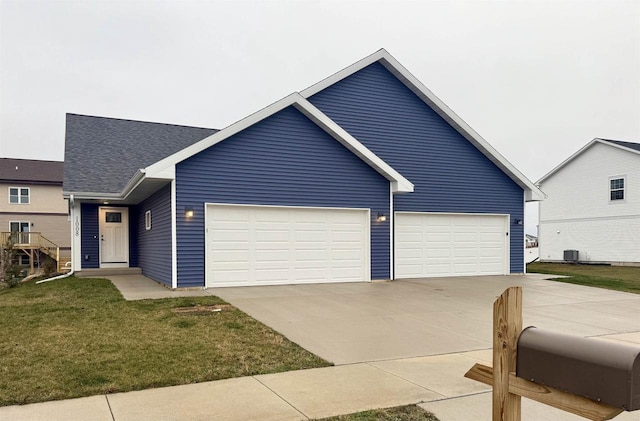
(537, 79)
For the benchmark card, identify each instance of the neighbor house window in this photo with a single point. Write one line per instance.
(20, 232)
(19, 195)
(147, 220)
(616, 188)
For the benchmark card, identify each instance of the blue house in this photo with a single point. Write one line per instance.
(364, 176)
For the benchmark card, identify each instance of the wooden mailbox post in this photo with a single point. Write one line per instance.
(507, 388)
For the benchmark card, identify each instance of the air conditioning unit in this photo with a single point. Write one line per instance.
(571, 256)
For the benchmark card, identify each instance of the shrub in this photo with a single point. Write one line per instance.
(9, 271)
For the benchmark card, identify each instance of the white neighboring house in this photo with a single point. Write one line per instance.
(593, 205)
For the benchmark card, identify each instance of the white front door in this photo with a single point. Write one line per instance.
(114, 236)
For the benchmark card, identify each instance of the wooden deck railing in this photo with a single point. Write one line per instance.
(30, 241)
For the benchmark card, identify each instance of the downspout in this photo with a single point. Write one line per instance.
(66, 275)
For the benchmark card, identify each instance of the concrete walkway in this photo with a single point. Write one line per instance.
(434, 381)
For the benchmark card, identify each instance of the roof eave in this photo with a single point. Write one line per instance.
(134, 182)
(166, 167)
(580, 152)
(411, 82)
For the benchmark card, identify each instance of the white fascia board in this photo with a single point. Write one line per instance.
(134, 182)
(91, 195)
(571, 158)
(615, 145)
(167, 165)
(580, 152)
(399, 71)
(164, 165)
(398, 182)
(347, 71)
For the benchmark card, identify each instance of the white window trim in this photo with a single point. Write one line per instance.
(147, 220)
(20, 223)
(19, 195)
(624, 188)
(21, 237)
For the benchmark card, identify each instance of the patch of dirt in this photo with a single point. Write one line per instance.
(203, 309)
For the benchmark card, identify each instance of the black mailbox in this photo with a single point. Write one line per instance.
(603, 371)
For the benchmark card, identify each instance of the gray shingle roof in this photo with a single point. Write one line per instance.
(103, 154)
(629, 145)
(30, 171)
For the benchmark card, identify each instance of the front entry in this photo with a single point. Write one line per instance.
(114, 237)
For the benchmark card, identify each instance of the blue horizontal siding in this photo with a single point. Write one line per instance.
(90, 238)
(283, 160)
(90, 241)
(154, 246)
(133, 237)
(448, 172)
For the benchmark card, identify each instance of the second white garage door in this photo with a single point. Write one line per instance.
(265, 245)
(428, 245)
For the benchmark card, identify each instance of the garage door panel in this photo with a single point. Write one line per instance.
(276, 255)
(311, 236)
(253, 245)
(490, 253)
(442, 253)
(229, 235)
(450, 244)
(269, 275)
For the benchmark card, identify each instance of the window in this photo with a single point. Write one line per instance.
(616, 188)
(19, 232)
(115, 217)
(19, 195)
(147, 220)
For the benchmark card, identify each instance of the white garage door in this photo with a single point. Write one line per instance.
(264, 245)
(429, 245)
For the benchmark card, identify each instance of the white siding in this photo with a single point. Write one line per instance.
(578, 214)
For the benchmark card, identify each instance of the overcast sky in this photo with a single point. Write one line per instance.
(537, 79)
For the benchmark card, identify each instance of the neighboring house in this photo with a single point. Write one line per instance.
(365, 175)
(33, 212)
(593, 205)
(531, 241)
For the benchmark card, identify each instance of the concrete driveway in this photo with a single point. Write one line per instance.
(364, 322)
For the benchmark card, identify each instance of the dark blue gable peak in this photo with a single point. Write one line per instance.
(403, 75)
(449, 173)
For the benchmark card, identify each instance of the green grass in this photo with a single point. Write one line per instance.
(400, 413)
(79, 337)
(619, 278)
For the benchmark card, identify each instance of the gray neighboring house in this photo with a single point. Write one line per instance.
(34, 214)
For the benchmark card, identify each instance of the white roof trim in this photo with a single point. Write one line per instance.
(137, 178)
(400, 184)
(580, 151)
(166, 166)
(532, 193)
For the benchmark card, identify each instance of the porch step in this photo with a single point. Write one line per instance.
(85, 273)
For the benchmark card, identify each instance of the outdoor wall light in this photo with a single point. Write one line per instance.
(382, 217)
(517, 221)
(189, 213)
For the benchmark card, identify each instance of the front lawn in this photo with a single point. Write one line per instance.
(619, 278)
(79, 337)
